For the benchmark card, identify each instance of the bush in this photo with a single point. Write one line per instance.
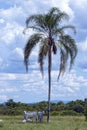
(85, 112)
(69, 113)
(55, 113)
(65, 113)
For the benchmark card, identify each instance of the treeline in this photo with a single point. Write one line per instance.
(78, 107)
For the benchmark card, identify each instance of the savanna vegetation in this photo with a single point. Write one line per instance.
(57, 123)
(73, 108)
(64, 116)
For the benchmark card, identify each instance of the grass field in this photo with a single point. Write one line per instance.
(57, 123)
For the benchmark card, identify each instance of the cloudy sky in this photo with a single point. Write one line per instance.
(14, 82)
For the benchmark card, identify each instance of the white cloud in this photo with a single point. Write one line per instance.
(80, 3)
(9, 32)
(3, 98)
(82, 50)
(7, 76)
(1, 61)
(33, 83)
(12, 14)
(85, 70)
(13, 20)
(18, 53)
(83, 45)
(12, 41)
(70, 84)
(36, 6)
(64, 5)
(8, 90)
(79, 7)
(2, 21)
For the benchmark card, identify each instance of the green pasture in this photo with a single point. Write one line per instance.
(56, 123)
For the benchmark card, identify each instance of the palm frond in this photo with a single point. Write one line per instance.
(33, 40)
(68, 27)
(56, 18)
(68, 41)
(31, 19)
(53, 18)
(68, 48)
(58, 32)
(60, 16)
(63, 61)
(38, 21)
(57, 12)
(54, 10)
(54, 48)
(42, 52)
(72, 47)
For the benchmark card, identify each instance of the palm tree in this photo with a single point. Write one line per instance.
(50, 34)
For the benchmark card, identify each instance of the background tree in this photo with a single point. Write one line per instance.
(85, 109)
(50, 35)
(10, 103)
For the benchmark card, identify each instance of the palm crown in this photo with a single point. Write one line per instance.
(50, 32)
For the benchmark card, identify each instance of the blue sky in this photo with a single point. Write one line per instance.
(14, 82)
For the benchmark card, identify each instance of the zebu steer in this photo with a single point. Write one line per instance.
(40, 116)
(28, 115)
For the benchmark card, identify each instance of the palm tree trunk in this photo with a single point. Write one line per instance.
(49, 82)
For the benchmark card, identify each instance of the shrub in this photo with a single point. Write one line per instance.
(69, 112)
(85, 112)
(55, 113)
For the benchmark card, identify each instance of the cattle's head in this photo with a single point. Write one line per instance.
(24, 112)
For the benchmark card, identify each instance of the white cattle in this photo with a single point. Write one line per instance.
(40, 116)
(34, 115)
(28, 115)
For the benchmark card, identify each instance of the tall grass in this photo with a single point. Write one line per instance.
(57, 123)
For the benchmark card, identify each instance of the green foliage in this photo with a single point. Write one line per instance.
(65, 113)
(57, 123)
(85, 111)
(69, 113)
(77, 107)
(55, 113)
